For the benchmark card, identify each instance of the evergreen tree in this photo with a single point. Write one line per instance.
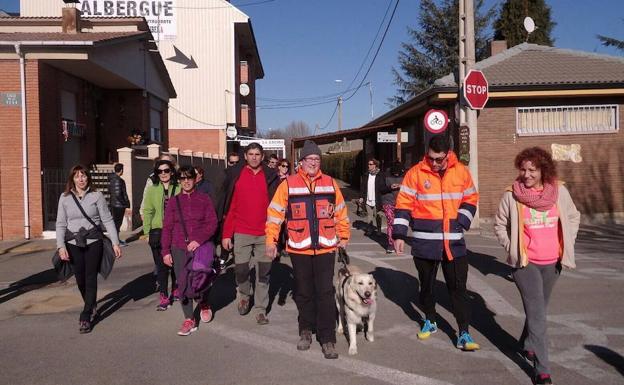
(510, 23)
(434, 49)
(612, 42)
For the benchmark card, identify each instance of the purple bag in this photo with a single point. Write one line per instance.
(198, 274)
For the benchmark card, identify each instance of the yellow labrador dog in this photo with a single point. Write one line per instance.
(356, 300)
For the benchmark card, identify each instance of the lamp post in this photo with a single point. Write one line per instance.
(338, 81)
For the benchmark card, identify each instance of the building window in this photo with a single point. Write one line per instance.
(567, 120)
(155, 125)
(244, 121)
(244, 72)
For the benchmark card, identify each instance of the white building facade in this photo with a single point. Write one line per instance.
(210, 52)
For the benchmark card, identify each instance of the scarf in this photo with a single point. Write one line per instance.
(539, 200)
(374, 172)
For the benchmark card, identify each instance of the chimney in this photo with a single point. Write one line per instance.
(71, 20)
(497, 46)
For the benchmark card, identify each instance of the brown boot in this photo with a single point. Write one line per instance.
(329, 350)
(305, 340)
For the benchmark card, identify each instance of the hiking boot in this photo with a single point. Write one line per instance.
(329, 350)
(188, 327)
(543, 379)
(175, 296)
(243, 306)
(164, 302)
(305, 340)
(427, 330)
(85, 327)
(205, 313)
(466, 343)
(261, 319)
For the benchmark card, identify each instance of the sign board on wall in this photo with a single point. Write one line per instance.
(267, 144)
(391, 137)
(160, 14)
(11, 99)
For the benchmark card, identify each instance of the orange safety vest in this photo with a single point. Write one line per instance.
(310, 215)
(432, 211)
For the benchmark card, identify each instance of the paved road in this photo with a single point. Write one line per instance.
(134, 344)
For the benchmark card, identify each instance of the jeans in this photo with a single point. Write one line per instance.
(314, 294)
(455, 275)
(118, 215)
(86, 264)
(162, 270)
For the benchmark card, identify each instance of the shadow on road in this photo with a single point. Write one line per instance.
(403, 289)
(135, 290)
(223, 291)
(281, 283)
(609, 356)
(380, 238)
(488, 264)
(23, 286)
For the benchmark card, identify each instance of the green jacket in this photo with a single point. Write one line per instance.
(153, 210)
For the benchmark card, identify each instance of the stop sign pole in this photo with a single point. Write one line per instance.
(468, 116)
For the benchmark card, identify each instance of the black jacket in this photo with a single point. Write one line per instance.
(117, 190)
(231, 177)
(380, 188)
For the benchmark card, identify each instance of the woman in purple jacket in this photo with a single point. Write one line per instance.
(201, 223)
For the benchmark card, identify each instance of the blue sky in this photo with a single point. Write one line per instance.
(306, 45)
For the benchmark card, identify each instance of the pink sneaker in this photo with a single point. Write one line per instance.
(164, 303)
(205, 313)
(188, 327)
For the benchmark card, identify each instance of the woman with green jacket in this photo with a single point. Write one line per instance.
(157, 197)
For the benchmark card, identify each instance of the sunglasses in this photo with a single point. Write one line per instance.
(284, 165)
(372, 164)
(437, 160)
(163, 171)
(232, 163)
(186, 178)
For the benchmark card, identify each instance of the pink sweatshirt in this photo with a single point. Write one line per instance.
(541, 235)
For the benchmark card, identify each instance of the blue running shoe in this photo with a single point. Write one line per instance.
(427, 330)
(466, 343)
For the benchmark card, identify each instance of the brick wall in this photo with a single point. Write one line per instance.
(596, 183)
(11, 197)
(197, 140)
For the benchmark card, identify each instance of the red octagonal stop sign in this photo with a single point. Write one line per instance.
(476, 91)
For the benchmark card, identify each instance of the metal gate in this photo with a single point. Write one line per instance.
(54, 180)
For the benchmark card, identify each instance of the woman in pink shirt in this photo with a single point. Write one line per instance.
(537, 224)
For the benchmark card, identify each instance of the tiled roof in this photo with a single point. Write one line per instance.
(95, 37)
(534, 65)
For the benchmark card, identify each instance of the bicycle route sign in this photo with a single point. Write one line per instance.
(476, 90)
(436, 121)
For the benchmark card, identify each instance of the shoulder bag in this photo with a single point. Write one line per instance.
(108, 254)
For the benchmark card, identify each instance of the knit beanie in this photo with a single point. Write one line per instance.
(309, 148)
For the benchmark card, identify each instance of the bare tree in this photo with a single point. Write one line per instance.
(294, 129)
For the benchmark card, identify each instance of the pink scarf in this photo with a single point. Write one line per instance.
(539, 200)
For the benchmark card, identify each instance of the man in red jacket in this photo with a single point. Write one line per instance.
(248, 189)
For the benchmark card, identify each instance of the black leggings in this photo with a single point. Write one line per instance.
(162, 270)
(86, 264)
(455, 275)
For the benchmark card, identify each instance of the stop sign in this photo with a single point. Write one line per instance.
(476, 91)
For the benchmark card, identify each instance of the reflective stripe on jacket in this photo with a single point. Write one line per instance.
(432, 211)
(315, 213)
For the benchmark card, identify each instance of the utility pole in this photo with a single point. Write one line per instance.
(339, 112)
(468, 116)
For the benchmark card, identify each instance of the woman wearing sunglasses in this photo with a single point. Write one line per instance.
(195, 215)
(157, 197)
(283, 170)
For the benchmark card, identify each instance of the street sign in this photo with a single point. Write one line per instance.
(231, 132)
(391, 137)
(267, 144)
(436, 121)
(476, 89)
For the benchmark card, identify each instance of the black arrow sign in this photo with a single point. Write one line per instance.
(182, 59)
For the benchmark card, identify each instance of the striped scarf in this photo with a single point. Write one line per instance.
(542, 200)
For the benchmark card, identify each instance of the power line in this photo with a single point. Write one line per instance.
(194, 119)
(376, 52)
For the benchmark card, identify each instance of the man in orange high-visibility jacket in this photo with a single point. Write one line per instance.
(436, 204)
(317, 223)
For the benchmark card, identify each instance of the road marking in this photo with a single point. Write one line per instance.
(358, 367)
(493, 300)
